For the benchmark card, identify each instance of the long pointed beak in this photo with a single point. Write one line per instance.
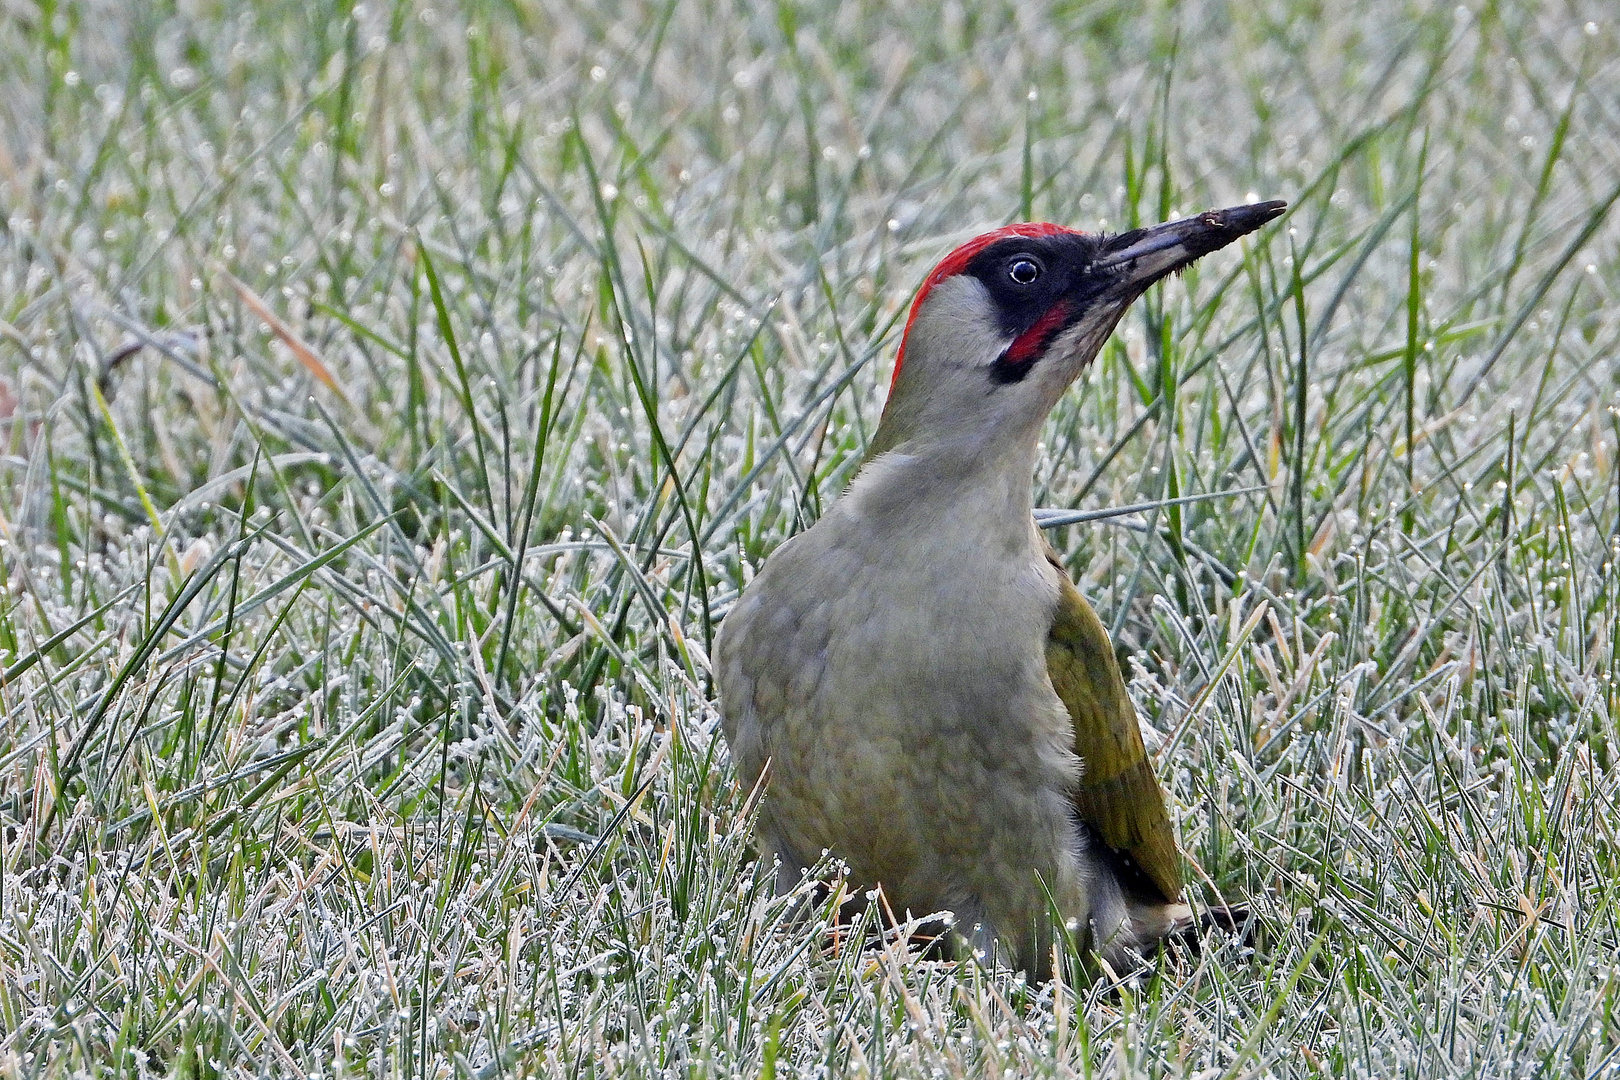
(1143, 256)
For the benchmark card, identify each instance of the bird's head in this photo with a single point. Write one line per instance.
(1007, 321)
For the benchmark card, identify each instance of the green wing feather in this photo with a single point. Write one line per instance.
(1118, 794)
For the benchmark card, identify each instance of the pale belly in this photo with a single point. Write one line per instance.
(907, 722)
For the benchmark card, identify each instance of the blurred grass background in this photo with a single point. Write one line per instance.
(393, 396)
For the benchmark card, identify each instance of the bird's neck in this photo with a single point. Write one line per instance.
(962, 483)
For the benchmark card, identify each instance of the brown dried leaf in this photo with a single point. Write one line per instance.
(288, 336)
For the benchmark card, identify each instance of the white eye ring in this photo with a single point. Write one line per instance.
(1024, 271)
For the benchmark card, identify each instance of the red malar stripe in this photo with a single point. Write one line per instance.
(1028, 345)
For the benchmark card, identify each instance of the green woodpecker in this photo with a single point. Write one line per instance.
(924, 692)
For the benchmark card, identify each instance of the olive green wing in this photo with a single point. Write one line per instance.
(1118, 794)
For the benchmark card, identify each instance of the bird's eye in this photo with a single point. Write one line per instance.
(1024, 271)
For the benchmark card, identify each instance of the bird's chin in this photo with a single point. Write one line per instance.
(1072, 351)
(1152, 269)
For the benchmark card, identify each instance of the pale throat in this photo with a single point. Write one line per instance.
(958, 485)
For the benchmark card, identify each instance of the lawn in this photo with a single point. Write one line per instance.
(394, 397)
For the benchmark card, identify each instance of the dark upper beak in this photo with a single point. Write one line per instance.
(1143, 256)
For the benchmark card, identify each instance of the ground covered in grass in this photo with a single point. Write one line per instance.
(395, 396)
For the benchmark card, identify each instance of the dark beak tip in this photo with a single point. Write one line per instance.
(1246, 219)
